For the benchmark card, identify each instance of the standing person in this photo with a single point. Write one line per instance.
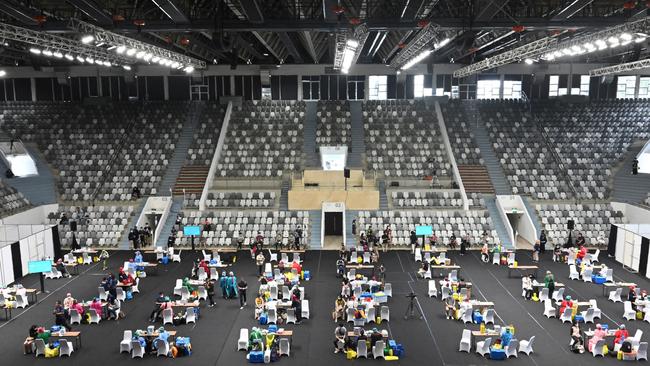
(414, 241)
(278, 242)
(542, 242)
(382, 272)
(536, 250)
(452, 241)
(242, 286)
(240, 241)
(354, 227)
(549, 283)
(223, 283)
(259, 260)
(484, 253)
(209, 287)
(232, 285)
(464, 243)
(340, 337)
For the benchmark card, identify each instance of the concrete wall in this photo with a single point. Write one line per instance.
(314, 199)
(633, 214)
(525, 228)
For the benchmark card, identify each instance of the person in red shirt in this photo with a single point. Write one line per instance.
(621, 334)
(582, 253)
(566, 303)
(297, 266)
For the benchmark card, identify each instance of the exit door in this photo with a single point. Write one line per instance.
(334, 223)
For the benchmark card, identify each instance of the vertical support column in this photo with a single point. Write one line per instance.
(232, 85)
(166, 87)
(299, 87)
(32, 82)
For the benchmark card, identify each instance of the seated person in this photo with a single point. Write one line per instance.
(137, 336)
(113, 308)
(557, 253)
(97, 306)
(78, 307)
(259, 306)
(485, 256)
(61, 268)
(527, 286)
(577, 344)
(155, 314)
(566, 303)
(138, 257)
(162, 335)
(186, 284)
(582, 253)
(340, 267)
(339, 309)
(506, 336)
(340, 338)
(620, 335)
(68, 301)
(424, 268)
(599, 334)
(375, 336)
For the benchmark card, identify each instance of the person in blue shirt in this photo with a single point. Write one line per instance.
(138, 257)
(506, 337)
(162, 335)
(223, 283)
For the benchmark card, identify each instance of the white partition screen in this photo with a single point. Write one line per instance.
(333, 157)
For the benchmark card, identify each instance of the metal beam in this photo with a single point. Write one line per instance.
(267, 45)
(252, 11)
(22, 14)
(571, 9)
(412, 9)
(93, 10)
(306, 36)
(172, 11)
(373, 25)
(291, 47)
(492, 9)
(615, 69)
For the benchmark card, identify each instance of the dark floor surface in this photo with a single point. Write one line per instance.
(433, 341)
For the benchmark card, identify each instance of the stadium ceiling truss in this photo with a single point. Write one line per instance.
(198, 32)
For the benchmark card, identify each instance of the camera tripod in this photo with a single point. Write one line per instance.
(410, 310)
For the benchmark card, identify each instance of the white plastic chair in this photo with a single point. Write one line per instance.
(94, 317)
(642, 352)
(636, 339)
(242, 343)
(609, 275)
(446, 293)
(573, 273)
(272, 317)
(39, 345)
(384, 314)
(488, 317)
(168, 316)
(594, 305)
(75, 317)
(190, 316)
(362, 349)
(526, 346)
(121, 295)
(388, 289)
(558, 295)
(543, 295)
(103, 295)
(135, 289)
(378, 349)
(588, 315)
(125, 344)
(566, 315)
(162, 347)
(291, 316)
(594, 257)
(136, 349)
(202, 293)
(598, 348)
(433, 290)
(615, 296)
(465, 341)
(66, 348)
(511, 348)
(304, 308)
(285, 348)
(628, 313)
(483, 347)
(586, 275)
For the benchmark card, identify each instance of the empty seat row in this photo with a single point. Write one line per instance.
(11, 201)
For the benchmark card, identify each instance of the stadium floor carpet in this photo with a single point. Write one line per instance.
(431, 341)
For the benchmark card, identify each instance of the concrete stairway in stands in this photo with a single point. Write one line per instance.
(284, 196)
(476, 179)
(191, 178)
(530, 207)
(355, 159)
(139, 206)
(180, 150)
(498, 224)
(383, 198)
(315, 228)
(498, 178)
(627, 187)
(350, 239)
(39, 189)
(310, 155)
(177, 205)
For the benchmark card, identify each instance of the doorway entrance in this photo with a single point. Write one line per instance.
(333, 225)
